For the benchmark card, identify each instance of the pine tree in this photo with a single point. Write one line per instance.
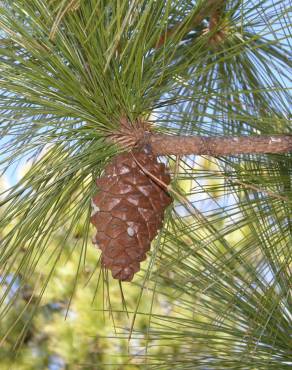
(204, 86)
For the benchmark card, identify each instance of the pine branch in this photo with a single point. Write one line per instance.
(219, 146)
(210, 8)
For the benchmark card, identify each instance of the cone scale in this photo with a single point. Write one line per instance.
(128, 211)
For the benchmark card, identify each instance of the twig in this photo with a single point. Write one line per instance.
(220, 145)
(209, 8)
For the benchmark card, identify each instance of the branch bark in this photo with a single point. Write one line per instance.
(219, 146)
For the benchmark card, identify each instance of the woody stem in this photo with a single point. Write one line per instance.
(219, 146)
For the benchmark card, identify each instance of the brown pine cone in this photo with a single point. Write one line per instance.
(128, 211)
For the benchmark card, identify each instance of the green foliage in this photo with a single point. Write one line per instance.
(75, 335)
(219, 271)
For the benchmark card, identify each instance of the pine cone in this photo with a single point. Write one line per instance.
(128, 211)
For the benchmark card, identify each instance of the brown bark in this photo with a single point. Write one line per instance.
(219, 146)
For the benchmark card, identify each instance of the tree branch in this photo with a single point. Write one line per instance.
(219, 146)
(209, 8)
